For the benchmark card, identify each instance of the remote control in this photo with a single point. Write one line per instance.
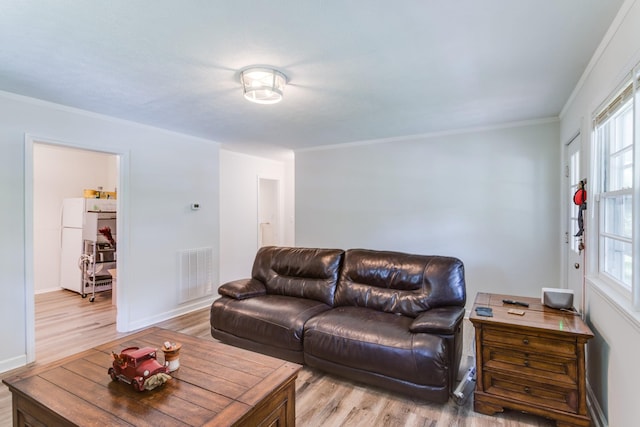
(514, 302)
(484, 311)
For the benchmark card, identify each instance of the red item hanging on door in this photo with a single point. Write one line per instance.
(580, 196)
(580, 199)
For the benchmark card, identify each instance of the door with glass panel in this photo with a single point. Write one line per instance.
(576, 222)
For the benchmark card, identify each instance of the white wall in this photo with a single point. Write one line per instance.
(613, 353)
(489, 197)
(61, 172)
(239, 208)
(165, 171)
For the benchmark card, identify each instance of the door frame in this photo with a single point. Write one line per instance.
(122, 318)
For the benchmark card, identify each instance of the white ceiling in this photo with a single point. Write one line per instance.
(358, 70)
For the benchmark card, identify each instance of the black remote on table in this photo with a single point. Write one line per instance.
(514, 302)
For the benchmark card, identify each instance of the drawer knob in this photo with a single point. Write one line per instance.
(525, 341)
(526, 363)
(527, 390)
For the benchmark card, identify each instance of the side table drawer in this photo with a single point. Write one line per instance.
(559, 370)
(530, 343)
(541, 395)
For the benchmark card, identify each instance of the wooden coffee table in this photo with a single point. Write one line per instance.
(216, 385)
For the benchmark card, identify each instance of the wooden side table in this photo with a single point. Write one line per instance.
(533, 362)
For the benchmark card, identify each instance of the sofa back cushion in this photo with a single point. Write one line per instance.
(299, 272)
(400, 283)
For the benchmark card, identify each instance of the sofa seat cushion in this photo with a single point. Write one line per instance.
(274, 320)
(369, 340)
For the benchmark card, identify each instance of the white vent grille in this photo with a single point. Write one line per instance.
(196, 273)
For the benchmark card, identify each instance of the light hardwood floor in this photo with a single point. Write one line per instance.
(67, 324)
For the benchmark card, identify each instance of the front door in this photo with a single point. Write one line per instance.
(573, 238)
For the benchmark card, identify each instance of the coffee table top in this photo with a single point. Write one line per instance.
(216, 384)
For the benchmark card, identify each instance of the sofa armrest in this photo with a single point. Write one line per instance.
(441, 320)
(242, 289)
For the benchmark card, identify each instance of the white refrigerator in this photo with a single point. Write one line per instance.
(79, 223)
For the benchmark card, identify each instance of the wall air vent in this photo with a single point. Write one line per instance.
(196, 274)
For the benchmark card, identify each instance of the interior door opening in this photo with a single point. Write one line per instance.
(60, 173)
(269, 233)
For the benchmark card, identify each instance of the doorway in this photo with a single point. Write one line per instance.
(269, 233)
(55, 171)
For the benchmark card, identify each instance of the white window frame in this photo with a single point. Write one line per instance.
(635, 289)
(610, 110)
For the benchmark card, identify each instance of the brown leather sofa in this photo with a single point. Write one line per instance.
(388, 319)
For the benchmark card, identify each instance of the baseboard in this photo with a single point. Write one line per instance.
(13, 363)
(47, 290)
(183, 309)
(597, 416)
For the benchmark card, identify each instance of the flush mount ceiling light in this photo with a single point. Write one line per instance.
(263, 85)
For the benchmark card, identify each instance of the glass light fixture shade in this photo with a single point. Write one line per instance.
(263, 85)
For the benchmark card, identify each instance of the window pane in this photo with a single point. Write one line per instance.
(617, 260)
(621, 170)
(617, 215)
(616, 135)
(623, 128)
(575, 169)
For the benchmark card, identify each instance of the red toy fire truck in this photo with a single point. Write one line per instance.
(138, 366)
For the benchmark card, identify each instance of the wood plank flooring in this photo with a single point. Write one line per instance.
(67, 324)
